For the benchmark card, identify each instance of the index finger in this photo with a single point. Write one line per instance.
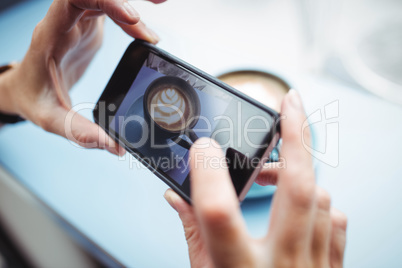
(66, 13)
(120, 10)
(216, 205)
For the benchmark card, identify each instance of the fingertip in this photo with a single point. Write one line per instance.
(170, 198)
(293, 100)
(121, 10)
(210, 179)
(295, 133)
(139, 31)
(338, 239)
(154, 36)
(292, 111)
(106, 142)
(206, 156)
(109, 144)
(203, 144)
(175, 201)
(339, 219)
(122, 151)
(111, 150)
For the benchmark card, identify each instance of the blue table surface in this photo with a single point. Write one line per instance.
(120, 205)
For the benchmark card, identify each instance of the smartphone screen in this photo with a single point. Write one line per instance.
(167, 107)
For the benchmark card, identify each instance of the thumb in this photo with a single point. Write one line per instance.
(185, 211)
(196, 247)
(78, 129)
(216, 205)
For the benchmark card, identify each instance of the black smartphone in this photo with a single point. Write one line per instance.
(157, 106)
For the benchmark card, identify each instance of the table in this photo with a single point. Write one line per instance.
(120, 204)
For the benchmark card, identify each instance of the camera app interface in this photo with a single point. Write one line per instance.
(168, 108)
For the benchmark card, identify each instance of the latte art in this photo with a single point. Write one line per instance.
(169, 108)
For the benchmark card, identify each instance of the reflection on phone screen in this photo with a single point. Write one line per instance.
(167, 108)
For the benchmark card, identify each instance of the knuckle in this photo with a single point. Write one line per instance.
(38, 27)
(191, 233)
(307, 135)
(292, 135)
(82, 138)
(304, 195)
(85, 140)
(44, 121)
(215, 214)
(36, 35)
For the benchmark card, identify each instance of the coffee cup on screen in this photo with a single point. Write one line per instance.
(172, 108)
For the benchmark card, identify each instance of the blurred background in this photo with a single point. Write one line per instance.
(345, 59)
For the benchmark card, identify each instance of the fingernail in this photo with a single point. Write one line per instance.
(130, 10)
(170, 198)
(295, 99)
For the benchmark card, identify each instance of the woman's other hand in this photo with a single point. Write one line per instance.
(304, 230)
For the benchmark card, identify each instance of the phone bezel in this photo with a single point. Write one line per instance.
(120, 83)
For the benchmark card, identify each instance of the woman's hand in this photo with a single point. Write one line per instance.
(63, 44)
(304, 230)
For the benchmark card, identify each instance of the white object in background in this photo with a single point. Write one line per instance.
(370, 46)
(365, 35)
